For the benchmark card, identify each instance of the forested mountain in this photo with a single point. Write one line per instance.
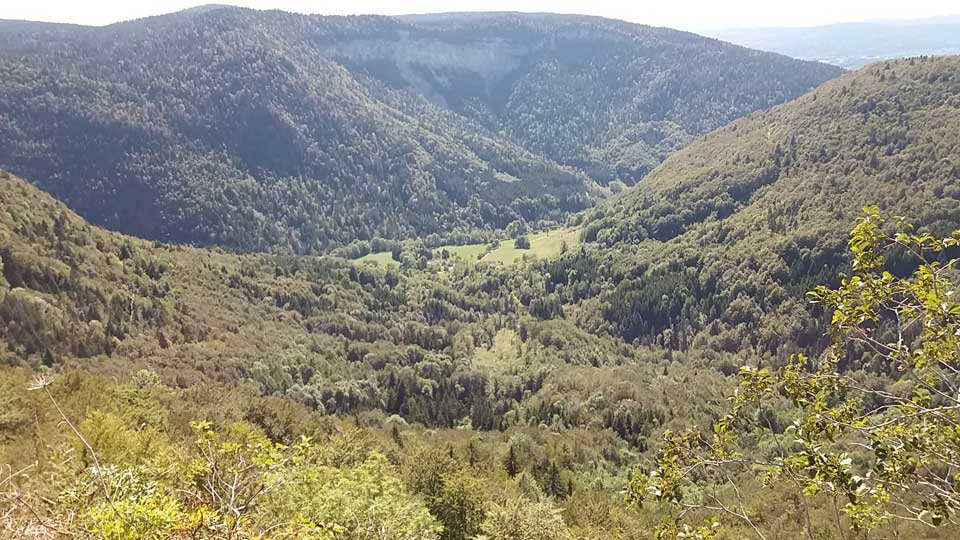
(608, 97)
(276, 131)
(441, 404)
(854, 45)
(459, 371)
(435, 346)
(230, 130)
(150, 390)
(719, 246)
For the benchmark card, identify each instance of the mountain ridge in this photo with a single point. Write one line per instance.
(442, 398)
(855, 44)
(259, 116)
(729, 233)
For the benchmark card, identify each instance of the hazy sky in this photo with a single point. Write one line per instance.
(683, 14)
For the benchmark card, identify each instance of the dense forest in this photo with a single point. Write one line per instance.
(454, 402)
(748, 343)
(275, 131)
(723, 240)
(607, 97)
(464, 348)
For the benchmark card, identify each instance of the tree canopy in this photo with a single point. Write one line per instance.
(272, 131)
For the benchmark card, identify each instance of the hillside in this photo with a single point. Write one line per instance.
(450, 402)
(282, 132)
(445, 398)
(434, 346)
(854, 45)
(719, 246)
(605, 96)
(469, 362)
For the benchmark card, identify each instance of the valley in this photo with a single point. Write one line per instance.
(272, 131)
(498, 276)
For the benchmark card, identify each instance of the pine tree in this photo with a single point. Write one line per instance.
(472, 453)
(555, 487)
(395, 433)
(511, 464)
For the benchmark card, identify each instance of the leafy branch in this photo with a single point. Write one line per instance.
(890, 455)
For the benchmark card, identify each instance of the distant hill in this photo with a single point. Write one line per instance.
(275, 131)
(721, 242)
(854, 45)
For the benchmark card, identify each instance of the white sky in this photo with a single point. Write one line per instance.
(682, 14)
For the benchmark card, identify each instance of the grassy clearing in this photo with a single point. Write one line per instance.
(471, 252)
(543, 245)
(384, 258)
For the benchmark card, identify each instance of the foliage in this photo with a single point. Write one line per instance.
(231, 474)
(881, 454)
(350, 483)
(264, 130)
(138, 510)
(360, 502)
(520, 519)
(717, 249)
(461, 506)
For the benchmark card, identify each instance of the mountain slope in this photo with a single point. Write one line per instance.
(262, 130)
(227, 133)
(434, 346)
(724, 238)
(430, 367)
(609, 97)
(447, 373)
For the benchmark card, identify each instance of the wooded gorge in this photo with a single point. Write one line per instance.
(279, 132)
(666, 376)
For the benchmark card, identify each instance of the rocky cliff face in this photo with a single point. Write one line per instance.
(608, 97)
(441, 71)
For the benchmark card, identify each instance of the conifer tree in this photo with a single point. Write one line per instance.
(511, 464)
